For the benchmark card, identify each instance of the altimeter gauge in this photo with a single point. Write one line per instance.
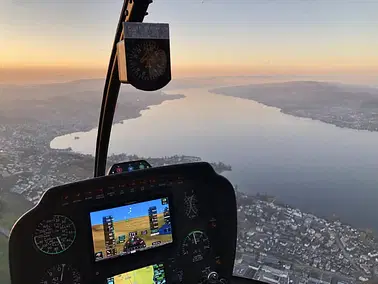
(54, 235)
(61, 274)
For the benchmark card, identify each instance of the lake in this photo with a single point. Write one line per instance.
(308, 164)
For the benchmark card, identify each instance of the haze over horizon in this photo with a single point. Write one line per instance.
(63, 40)
(279, 96)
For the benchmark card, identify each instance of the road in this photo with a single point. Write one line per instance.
(324, 272)
(346, 254)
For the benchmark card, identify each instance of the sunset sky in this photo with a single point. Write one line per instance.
(217, 37)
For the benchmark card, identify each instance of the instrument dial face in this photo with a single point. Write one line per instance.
(191, 205)
(196, 246)
(61, 274)
(148, 61)
(55, 235)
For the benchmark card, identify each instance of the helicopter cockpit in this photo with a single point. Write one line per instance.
(279, 98)
(171, 224)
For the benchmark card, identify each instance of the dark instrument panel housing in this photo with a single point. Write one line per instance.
(216, 218)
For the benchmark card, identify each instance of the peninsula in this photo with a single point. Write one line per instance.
(345, 106)
(31, 116)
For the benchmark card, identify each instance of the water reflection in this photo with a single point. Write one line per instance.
(307, 163)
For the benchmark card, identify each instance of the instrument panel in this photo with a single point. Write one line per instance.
(173, 224)
(128, 167)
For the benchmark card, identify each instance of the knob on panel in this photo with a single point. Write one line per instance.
(213, 278)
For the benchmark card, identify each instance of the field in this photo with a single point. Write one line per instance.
(12, 206)
(143, 275)
(124, 228)
(4, 271)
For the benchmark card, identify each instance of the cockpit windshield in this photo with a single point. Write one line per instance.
(281, 97)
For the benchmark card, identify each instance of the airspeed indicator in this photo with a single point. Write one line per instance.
(55, 235)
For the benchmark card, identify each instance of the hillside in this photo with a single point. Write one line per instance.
(342, 105)
(75, 104)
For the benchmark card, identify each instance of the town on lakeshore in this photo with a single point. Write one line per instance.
(276, 243)
(281, 244)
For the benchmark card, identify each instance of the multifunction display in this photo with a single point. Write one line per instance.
(131, 228)
(153, 274)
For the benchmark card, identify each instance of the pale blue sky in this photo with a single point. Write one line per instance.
(127, 212)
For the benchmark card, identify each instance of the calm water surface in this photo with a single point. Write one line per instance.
(308, 164)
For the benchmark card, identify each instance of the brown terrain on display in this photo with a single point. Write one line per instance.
(124, 228)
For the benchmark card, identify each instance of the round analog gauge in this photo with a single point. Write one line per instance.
(55, 235)
(148, 61)
(196, 246)
(61, 274)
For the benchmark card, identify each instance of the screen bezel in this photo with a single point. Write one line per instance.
(125, 203)
(129, 163)
(161, 263)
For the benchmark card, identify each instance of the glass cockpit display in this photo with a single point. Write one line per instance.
(131, 228)
(153, 274)
(130, 166)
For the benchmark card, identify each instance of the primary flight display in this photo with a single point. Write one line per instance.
(131, 228)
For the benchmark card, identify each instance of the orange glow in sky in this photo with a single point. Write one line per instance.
(63, 39)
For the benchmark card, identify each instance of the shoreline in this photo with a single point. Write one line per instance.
(31, 165)
(120, 116)
(359, 123)
(293, 114)
(269, 198)
(298, 234)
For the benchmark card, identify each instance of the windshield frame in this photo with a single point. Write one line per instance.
(131, 12)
